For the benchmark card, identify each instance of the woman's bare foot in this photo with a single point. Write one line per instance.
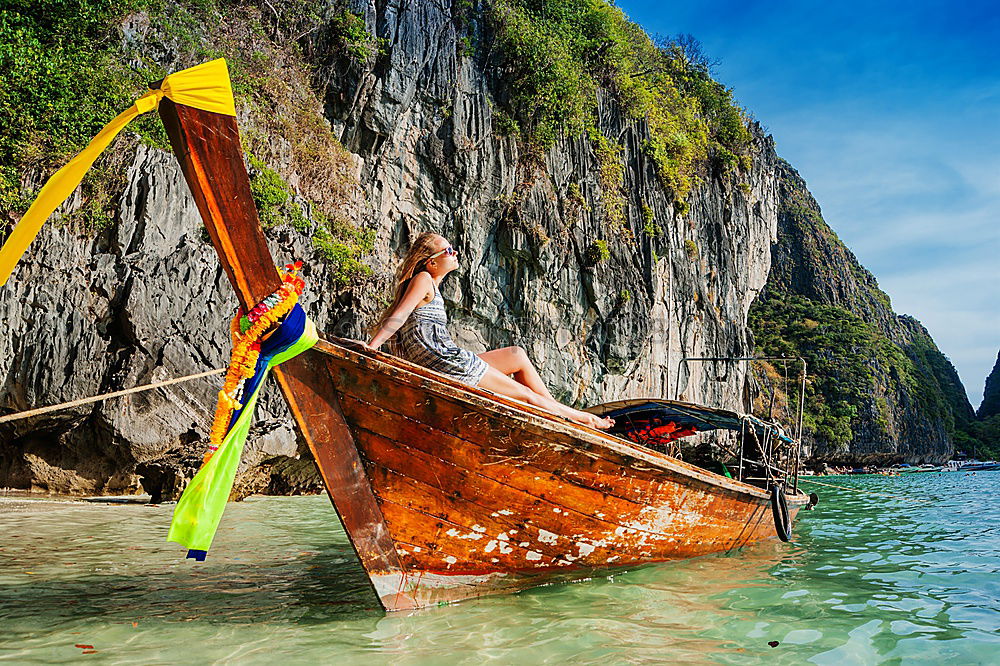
(588, 419)
(601, 423)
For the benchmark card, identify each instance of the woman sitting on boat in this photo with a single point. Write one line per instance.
(418, 320)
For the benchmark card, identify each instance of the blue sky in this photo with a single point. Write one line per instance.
(891, 112)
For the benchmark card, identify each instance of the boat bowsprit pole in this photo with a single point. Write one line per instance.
(208, 147)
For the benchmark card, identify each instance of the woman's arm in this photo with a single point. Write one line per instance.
(420, 286)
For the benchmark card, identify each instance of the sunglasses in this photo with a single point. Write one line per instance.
(450, 251)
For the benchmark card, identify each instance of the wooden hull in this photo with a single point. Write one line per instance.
(446, 491)
(481, 495)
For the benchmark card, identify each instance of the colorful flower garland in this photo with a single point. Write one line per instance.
(247, 330)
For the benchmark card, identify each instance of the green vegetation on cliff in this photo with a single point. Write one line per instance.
(67, 67)
(61, 81)
(851, 364)
(983, 440)
(554, 56)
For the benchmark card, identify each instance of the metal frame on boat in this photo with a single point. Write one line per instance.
(448, 491)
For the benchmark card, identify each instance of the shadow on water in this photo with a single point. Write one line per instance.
(307, 589)
(272, 562)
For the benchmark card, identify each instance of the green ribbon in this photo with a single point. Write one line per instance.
(202, 503)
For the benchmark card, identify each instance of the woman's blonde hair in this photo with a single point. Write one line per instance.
(413, 262)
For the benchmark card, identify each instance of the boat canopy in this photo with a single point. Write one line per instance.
(656, 421)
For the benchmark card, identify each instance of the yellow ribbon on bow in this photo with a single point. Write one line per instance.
(204, 87)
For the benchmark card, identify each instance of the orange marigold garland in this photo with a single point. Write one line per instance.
(247, 330)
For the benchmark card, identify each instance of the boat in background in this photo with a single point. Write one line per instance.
(911, 469)
(978, 466)
(449, 491)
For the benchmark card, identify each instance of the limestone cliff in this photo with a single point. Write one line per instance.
(990, 405)
(983, 440)
(605, 312)
(607, 282)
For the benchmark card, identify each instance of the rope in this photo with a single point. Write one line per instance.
(104, 396)
(863, 492)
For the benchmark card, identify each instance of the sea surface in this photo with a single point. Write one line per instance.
(869, 578)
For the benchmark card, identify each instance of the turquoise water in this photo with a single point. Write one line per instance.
(868, 579)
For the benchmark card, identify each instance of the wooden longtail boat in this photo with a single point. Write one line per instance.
(448, 491)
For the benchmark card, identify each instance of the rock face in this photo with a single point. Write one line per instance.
(423, 127)
(990, 405)
(134, 304)
(883, 391)
(146, 299)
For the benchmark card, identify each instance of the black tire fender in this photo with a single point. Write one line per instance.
(779, 510)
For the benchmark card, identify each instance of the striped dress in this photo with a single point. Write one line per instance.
(424, 339)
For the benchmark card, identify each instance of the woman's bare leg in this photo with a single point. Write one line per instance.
(496, 381)
(515, 361)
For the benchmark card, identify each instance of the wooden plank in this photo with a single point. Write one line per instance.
(535, 499)
(440, 554)
(413, 480)
(351, 366)
(515, 500)
(559, 458)
(207, 145)
(430, 549)
(522, 474)
(433, 585)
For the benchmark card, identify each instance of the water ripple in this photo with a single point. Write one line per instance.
(868, 579)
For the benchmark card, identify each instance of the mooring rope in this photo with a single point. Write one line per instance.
(863, 492)
(105, 396)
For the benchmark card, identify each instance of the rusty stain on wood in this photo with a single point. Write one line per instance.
(513, 497)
